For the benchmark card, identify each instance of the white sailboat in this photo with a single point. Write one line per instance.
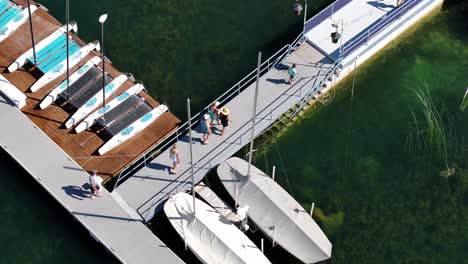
(13, 19)
(21, 60)
(61, 68)
(62, 87)
(276, 213)
(97, 100)
(133, 129)
(210, 236)
(91, 119)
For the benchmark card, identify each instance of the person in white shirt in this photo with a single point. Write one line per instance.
(96, 184)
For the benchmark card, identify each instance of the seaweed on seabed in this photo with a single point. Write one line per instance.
(429, 136)
(464, 102)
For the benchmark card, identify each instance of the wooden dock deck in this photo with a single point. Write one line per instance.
(80, 147)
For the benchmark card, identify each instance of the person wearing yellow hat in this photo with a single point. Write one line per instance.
(224, 117)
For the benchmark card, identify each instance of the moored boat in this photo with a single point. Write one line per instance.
(133, 129)
(61, 68)
(53, 95)
(11, 21)
(21, 60)
(90, 120)
(209, 235)
(95, 101)
(274, 211)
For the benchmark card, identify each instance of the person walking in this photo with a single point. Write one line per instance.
(95, 182)
(174, 156)
(224, 118)
(213, 112)
(292, 73)
(205, 126)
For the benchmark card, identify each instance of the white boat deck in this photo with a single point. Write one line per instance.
(123, 235)
(149, 188)
(219, 205)
(355, 17)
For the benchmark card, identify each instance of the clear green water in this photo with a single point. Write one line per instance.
(358, 159)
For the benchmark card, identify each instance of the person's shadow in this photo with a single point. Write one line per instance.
(77, 192)
(158, 166)
(380, 5)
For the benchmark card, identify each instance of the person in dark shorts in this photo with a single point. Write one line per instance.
(205, 127)
(292, 73)
(224, 117)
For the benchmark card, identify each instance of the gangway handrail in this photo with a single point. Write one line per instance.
(230, 138)
(261, 115)
(377, 27)
(237, 88)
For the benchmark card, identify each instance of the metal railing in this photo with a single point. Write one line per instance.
(265, 115)
(324, 14)
(182, 130)
(380, 25)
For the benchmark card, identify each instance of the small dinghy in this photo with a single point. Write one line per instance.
(133, 129)
(59, 64)
(90, 120)
(47, 44)
(94, 102)
(210, 236)
(53, 95)
(12, 17)
(276, 213)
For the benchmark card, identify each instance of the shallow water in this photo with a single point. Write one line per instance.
(383, 197)
(371, 167)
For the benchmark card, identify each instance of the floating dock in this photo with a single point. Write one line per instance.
(59, 159)
(80, 147)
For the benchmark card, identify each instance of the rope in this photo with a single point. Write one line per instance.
(284, 168)
(267, 167)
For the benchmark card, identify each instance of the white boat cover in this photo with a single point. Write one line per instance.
(271, 207)
(210, 236)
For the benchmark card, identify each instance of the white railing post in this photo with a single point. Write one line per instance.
(273, 173)
(312, 209)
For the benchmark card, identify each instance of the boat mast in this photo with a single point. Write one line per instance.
(191, 153)
(32, 32)
(254, 113)
(67, 21)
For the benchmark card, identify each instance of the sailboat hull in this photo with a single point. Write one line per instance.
(89, 121)
(278, 215)
(210, 236)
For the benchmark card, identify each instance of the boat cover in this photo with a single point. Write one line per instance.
(271, 207)
(211, 237)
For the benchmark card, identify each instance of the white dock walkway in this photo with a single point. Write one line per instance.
(146, 190)
(354, 18)
(123, 235)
